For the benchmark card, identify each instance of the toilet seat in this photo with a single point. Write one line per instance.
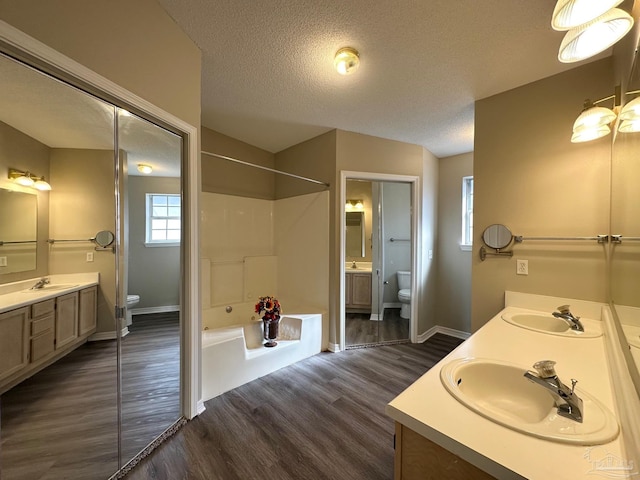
(404, 294)
(133, 299)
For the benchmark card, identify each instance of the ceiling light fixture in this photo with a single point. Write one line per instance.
(347, 60)
(27, 179)
(594, 36)
(572, 13)
(144, 168)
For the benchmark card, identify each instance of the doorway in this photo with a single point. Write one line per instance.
(379, 259)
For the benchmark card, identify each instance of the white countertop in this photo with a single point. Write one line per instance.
(427, 408)
(17, 294)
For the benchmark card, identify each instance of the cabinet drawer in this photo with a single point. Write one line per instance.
(43, 308)
(41, 346)
(42, 324)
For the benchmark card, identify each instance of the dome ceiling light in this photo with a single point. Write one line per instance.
(347, 60)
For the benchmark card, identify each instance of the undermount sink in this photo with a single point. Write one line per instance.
(499, 392)
(50, 287)
(547, 323)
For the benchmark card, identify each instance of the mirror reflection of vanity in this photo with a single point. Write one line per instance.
(355, 234)
(18, 231)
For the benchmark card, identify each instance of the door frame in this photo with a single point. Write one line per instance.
(77, 74)
(416, 234)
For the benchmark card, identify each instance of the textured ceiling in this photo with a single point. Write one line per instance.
(268, 77)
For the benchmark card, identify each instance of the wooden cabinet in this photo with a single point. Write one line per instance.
(14, 341)
(418, 458)
(66, 319)
(43, 316)
(88, 311)
(37, 335)
(358, 291)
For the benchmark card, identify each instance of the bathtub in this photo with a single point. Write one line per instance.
(234, 355)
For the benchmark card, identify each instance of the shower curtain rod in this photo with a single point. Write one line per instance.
(231, 159)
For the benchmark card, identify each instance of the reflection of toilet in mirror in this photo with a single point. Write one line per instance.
(404, 293)
(131, 301)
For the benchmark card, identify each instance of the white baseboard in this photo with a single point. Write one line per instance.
(445, 330)
(333, 347)
(200, 406)
(162, 309)
(96, 337)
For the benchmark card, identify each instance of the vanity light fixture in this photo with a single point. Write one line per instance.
(594, 121)
(144, 168)
(630, 115)
(572, 13)
(354, 205)
(347, 60)
(594, 36)
(27, 179)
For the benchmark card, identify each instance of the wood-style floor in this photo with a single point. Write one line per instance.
(321, 418)
(62, 423)
(359, 330)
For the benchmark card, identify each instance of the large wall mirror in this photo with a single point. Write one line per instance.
(625, 222)
(18, 231)
(88, 413)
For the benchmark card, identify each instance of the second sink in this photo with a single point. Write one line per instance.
(499, 392)
(547, 323)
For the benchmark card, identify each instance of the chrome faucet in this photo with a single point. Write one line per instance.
(40, 283)
(354, 264)
(568, 402)
(564, 313)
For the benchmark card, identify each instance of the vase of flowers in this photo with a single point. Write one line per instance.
(270, 320)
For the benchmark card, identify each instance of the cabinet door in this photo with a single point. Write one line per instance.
(361, 290)
(347, 290)
(88, 310)
(66, 319)
(14, 341)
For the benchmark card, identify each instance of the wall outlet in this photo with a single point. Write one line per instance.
(89, 256)
(3, 261)
(522, 267)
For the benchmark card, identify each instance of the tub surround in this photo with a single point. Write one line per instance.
(427, 409)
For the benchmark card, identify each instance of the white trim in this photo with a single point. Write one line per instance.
(99, 336)
(423, 337)
(334, 347)
(161, 309)
(201, 408)
(466, 248)
(416, 219)
(165, 244)
(191, 291)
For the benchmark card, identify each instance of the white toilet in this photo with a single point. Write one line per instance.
(131, 301)
(404, 293)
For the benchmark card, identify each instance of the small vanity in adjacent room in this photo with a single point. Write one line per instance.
(357, 291)
(39, 326)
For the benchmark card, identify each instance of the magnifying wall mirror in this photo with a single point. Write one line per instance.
(104, 238)
(497, 236)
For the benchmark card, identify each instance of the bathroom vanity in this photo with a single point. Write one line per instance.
(357, 292)
(40, 326)
(438, 435)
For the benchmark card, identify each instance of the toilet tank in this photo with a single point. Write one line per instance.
(404, 279)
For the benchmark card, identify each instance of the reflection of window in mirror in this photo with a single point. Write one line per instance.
(163, 219)
(467, 213)
(355, 234)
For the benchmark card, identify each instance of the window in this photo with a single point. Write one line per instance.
(467, 213)
(163, 219)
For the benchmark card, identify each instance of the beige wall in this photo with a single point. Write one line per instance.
(134, 44)
(528, 176)
(226, 177)
(429, 227)
(453, 299)
(82, 204)
(22, 152)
